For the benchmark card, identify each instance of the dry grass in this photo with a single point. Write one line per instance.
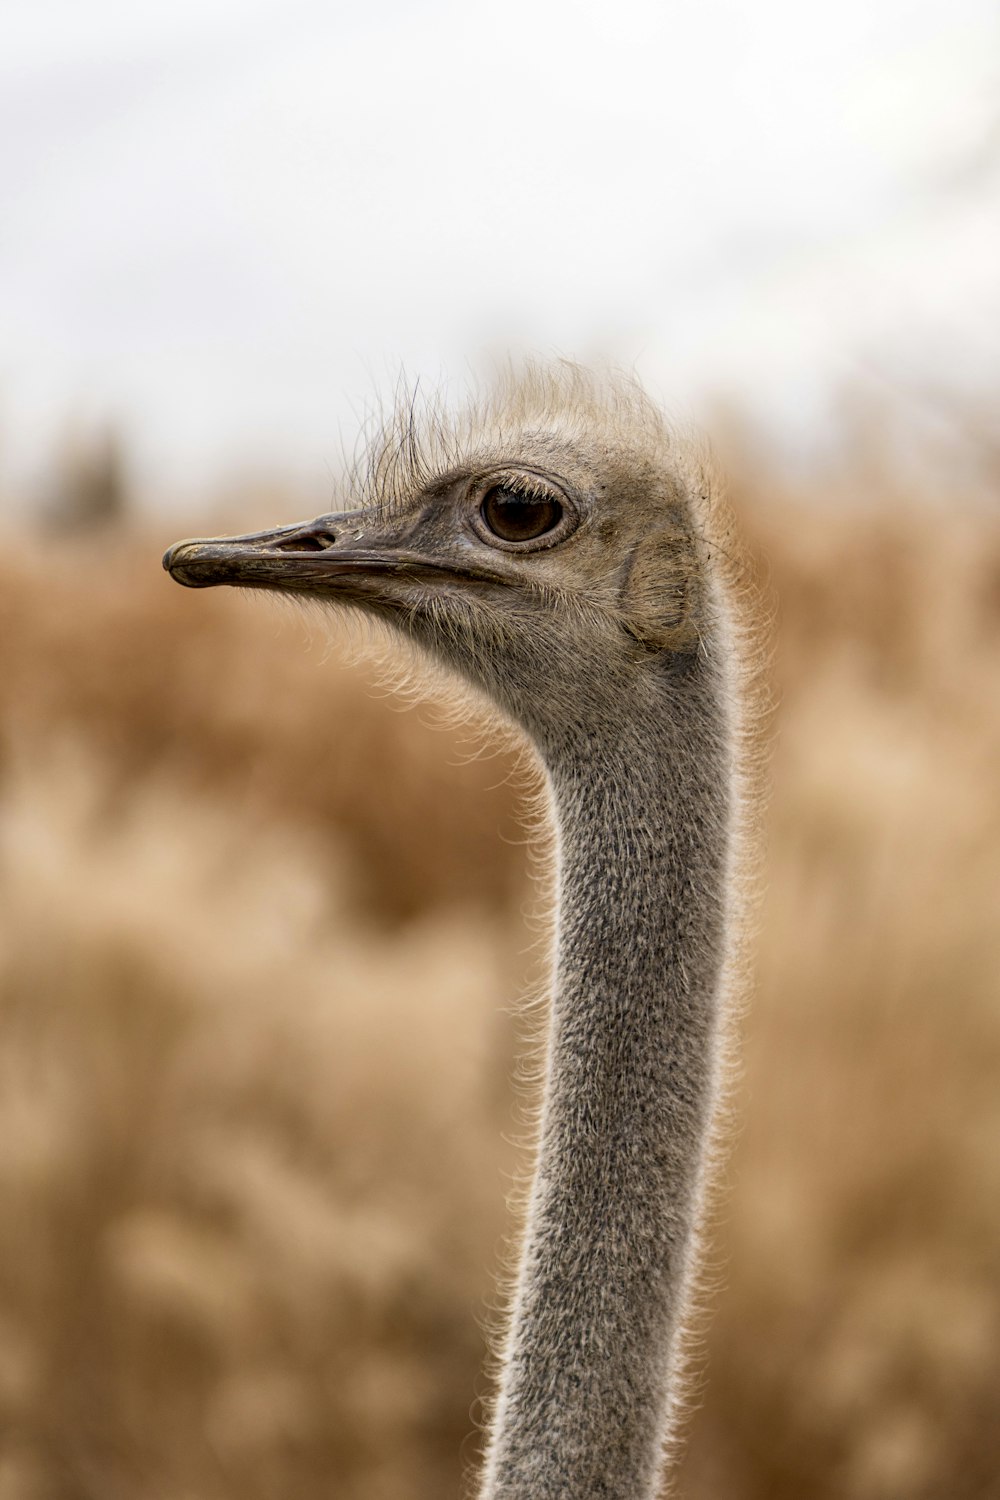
(259, 937)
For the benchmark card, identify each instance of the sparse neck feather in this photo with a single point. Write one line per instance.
(643, 833)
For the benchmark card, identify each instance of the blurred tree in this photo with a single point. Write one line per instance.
(90, 487)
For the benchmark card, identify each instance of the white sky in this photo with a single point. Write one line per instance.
(223, 225)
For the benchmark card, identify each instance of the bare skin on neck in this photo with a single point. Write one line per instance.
(562, 553)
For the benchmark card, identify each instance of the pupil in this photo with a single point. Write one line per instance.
(518, 518)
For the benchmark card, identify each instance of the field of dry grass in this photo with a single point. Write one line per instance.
(260, 940)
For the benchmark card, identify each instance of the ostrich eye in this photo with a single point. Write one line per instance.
(515, 516)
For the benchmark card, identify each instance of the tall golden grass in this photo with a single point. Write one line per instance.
(261, 936)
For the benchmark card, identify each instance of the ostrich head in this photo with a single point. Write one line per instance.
(545, 546)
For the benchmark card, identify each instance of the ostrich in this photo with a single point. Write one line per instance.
(562, 552)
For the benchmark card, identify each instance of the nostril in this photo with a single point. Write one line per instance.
(317, 541)
(307, 541)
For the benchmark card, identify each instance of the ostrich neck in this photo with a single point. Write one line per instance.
(642, 831)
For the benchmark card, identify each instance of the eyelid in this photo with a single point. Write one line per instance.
(528, 482)
(527, 486)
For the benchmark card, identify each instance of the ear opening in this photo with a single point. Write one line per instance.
(661, 596)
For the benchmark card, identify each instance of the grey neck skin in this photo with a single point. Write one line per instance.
(642, 820)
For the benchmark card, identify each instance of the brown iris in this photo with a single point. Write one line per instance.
(517, 516)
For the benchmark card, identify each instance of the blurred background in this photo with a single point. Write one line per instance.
(262, 934)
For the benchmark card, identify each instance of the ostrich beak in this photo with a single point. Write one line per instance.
(287, 557)
(333, 554)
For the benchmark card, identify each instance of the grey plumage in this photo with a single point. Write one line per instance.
(606, 628)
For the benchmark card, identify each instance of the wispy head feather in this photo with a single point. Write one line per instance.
(420, 437)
